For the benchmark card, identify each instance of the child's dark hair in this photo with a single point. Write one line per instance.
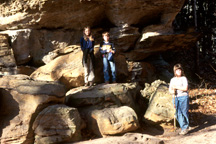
(105, 34)
(178, 66)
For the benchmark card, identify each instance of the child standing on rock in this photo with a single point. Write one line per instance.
(107, 50)
(87, 46)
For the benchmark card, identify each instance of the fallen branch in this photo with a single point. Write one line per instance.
(198, 76)
(212, 67)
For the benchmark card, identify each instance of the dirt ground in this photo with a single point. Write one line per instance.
(203, 133)
(202, 115)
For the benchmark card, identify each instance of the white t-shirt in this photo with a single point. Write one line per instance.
(179, 81)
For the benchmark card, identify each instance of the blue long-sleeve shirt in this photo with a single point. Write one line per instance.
(86, 44)
(106, 45)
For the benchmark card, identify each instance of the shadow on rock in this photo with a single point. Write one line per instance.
(9, 109)
(150, 128)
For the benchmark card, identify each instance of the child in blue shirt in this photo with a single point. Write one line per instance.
(87, 46)
(107, 50)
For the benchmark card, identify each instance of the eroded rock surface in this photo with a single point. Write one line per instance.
(110, 121)
(7, 60)
(58, 124)
(78, 13)
(129, 138)
(160, 108)
(21, 100)
(69, 70)
(104, 95)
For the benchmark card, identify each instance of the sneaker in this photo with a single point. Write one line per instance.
(183, 132)
(189, 128)
(106, 82)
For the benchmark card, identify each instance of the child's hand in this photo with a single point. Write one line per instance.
(112, 51)
(103, 48)
(175, 87)
(91, 38)
(108, 49)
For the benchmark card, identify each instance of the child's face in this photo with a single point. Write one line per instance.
(178, 72)
(106, 38)
(87, 32)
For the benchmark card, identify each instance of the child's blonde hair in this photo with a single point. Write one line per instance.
(84, 35)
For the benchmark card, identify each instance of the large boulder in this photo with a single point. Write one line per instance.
(158, 38)
(56, 69)
(21, 100)
(21, 44)
(160, 108)
(113, 105)
(58, 124)
(119, 94)
(68, 69)
(35, 45)
(111, 121)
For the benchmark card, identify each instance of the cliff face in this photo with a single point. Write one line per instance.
(38, 29)
(18, 14)
(45, 35)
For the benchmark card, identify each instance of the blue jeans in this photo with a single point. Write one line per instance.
(106, 64)
(182, 106)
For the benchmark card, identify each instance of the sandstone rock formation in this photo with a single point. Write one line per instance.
(58, 124)
(77, 14)
(49, 14)
(21, 44)
(104, 96)
(69, 70)
(160, 108)
(156, 39)
(7, 61)
(124, 20)
(124, 37)
(104, 107)
(141, 72)
(111, 121)
(41, 38)
(34, 45)
(129, 138)
(21, 100)
(39, 29)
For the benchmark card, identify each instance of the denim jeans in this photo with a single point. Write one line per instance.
(182, 106)
(106, 64)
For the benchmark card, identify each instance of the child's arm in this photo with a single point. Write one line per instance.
(113, 50)
(81, 43)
